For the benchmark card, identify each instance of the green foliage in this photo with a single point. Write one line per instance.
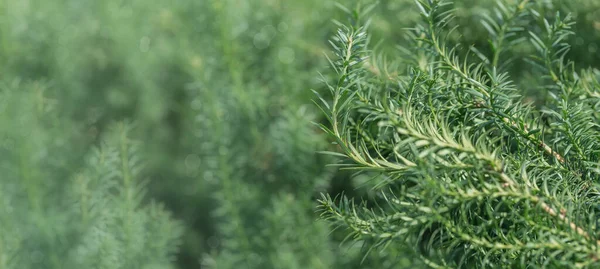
(468, 173)
(218, 92)
(263, 162)
(57, 216)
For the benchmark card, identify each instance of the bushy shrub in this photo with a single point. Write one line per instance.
(65, 208)
(468, 173)
(219, 94)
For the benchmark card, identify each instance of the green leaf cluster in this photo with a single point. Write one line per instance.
(467, 172)
(64, 206)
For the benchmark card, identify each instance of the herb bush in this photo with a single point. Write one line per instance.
(61, 211)
(468, 173)
(177, 134)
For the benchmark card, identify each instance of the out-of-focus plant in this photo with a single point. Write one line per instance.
(58, 211)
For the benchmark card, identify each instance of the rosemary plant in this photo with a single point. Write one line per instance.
(63, 206)
(469, 174)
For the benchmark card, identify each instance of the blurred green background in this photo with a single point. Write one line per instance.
(216, 94)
